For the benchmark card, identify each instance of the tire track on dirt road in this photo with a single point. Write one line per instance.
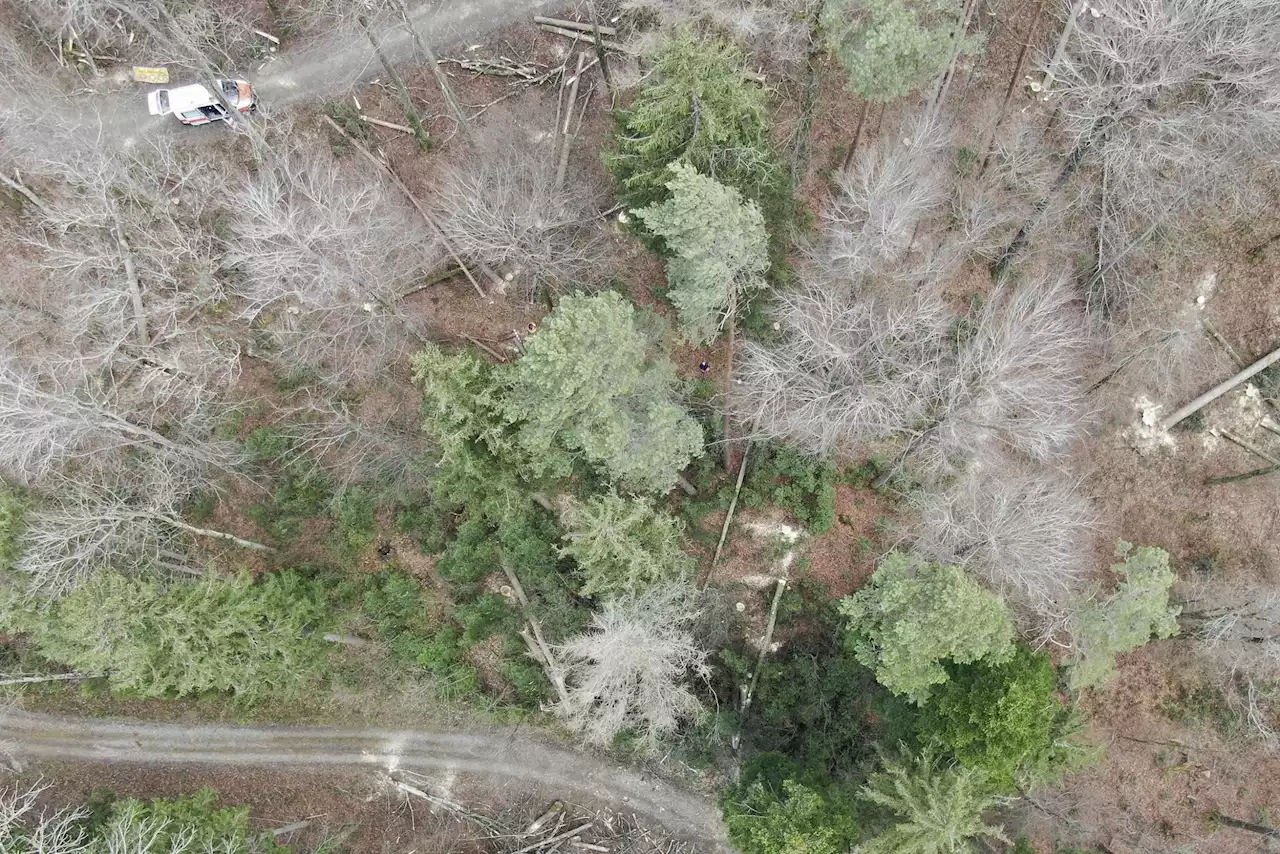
(501, 752)
(335, 63)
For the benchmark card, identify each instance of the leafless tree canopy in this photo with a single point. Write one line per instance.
(324, 255)
(628, 671)
(1021, 528)
(187, 35)
(129, 521)
(848, 372)
(778, 27)
(1236, 627)
(500, 205)
(897, 183)
(1178, 102)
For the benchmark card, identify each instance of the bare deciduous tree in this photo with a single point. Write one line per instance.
(49, 421)
(1017, 380)
(850, 372)
(130, 521)
(1235, 626)
(129, 244)
(40, 830)
(500, 205)
(778, 27)
(1178, 101)
(1021, 529)
(626, 673)
(325, 255)
(896, 185)
(847, 372)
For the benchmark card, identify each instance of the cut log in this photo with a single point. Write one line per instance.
(1222, 388)
(566, 144)
(575, 25)
(57, 677)
(764, 649)
(380, 123)
(583, 37)
(430, 220)
(557, 838)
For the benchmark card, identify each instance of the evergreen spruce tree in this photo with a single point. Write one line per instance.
(717, 250)
(588, 383)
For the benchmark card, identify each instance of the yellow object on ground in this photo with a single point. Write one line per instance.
(150, 75)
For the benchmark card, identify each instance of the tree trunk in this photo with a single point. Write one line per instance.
(1238, 478)
(764, 648)
(130, 277)
(207, 532)
(857, 135)
(1020, 239)
(18, 187)
(944, 82)
(809, 106)
(1077, 9)
(728, 518)
(1259, 829)
(1221, 389)
(728, 378)
(402, 91)
(57, 677)
(602, 55)
(1013, 84)
(442, 79)
(567, 142)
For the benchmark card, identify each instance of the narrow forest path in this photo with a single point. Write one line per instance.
(338, 62)
(501, 752)
(331, 65)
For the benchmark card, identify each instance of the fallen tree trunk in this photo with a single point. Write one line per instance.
(1222, 388)
(575, 25)
(578, 36)
(430, 220)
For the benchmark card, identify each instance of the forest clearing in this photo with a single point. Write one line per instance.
(782, 426)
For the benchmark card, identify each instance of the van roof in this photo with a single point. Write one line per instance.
(184, 99)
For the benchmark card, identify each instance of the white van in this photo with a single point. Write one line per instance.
(197, 104)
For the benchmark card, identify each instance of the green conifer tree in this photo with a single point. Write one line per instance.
(716, 246)
(623, 545)
(588, 383)
(937, 810)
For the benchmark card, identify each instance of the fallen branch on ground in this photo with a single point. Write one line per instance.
(583, 37)
(1222, 388)
(380, 123)
(575, 25)
(525, 72)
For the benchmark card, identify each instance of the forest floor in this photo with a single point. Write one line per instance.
(1169, 763)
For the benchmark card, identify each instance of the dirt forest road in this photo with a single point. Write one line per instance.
(332, 65)
(498, 753)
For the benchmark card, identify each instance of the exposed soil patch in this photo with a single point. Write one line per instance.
(843, 558)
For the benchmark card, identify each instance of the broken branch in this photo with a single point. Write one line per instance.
(1222, 388)
(380, 123)
(575, 25)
